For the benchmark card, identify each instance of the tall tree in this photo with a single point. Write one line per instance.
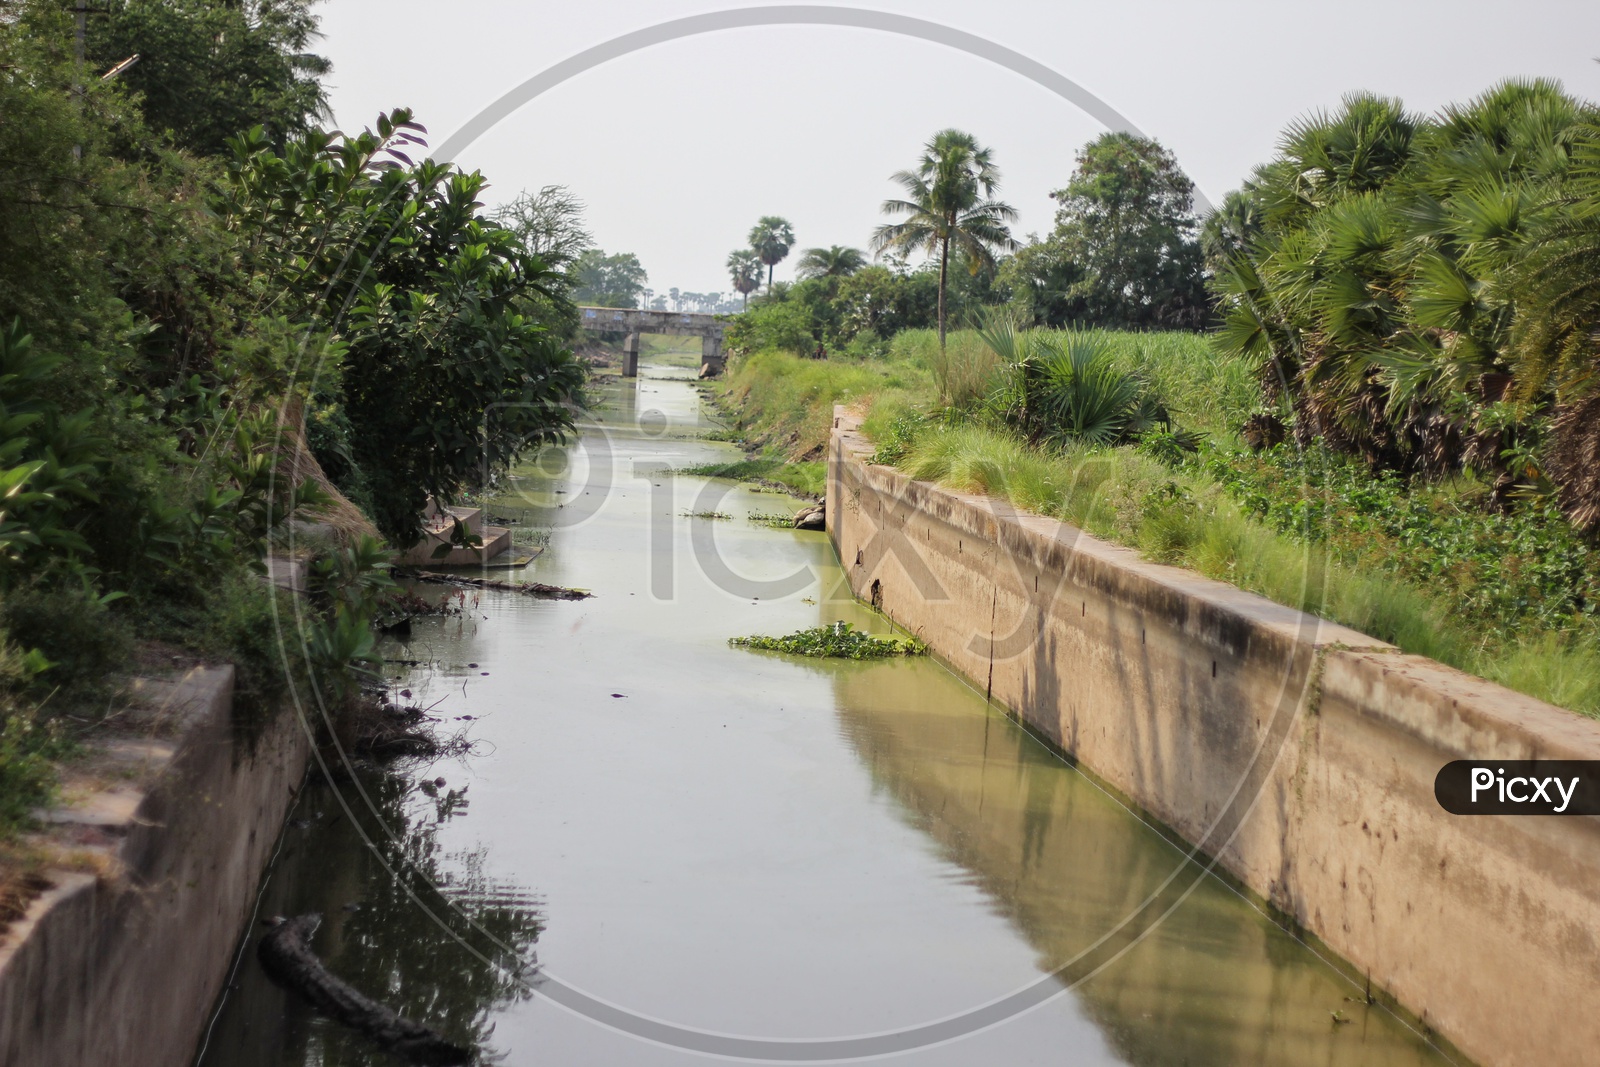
(744, 270)
(834, 262)
(1127, 221)
(949, 203)
(771, 238)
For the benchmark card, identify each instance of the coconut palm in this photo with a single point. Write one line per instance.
(771, 238)
(835, 262)
(949, 202)
(744, 269)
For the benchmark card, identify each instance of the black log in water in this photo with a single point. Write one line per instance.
(285, 954)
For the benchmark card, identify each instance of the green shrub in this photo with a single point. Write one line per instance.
(76, 632)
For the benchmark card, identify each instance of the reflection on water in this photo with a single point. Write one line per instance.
(1215, 983)
(743, 842)
(403, 920)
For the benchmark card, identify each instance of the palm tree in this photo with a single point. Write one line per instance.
(744, 268)
(949, 201)
(771, 238)
(835, 262)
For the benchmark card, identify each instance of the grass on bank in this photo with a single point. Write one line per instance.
(1186, 518)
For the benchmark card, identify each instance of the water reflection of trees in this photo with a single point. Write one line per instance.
(429, 932)
(1213, 984)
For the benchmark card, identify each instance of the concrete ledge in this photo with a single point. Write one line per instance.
(166, 828)
(1299, 753)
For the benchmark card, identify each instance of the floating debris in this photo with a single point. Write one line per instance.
(534, 589)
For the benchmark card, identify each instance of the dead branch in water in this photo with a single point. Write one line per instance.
(536, 589)
(286, 955)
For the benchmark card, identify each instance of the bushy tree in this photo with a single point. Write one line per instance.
(1125, 226)
(615, 281)
(549, 223)
(441, 377)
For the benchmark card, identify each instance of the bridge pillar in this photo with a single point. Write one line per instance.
(711, 361)
(630, 356)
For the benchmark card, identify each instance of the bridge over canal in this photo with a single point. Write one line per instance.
(635, 322)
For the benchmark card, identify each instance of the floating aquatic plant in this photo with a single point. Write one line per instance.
(838, 641)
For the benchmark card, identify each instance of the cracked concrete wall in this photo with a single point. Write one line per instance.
(1298, 753)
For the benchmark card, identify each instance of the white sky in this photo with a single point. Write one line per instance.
(679, 148)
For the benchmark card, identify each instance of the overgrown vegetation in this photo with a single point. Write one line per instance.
(201, 292)
(839, 641)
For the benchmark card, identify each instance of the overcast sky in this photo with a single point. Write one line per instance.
(677, 149)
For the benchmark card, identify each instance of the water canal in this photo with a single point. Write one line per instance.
(740, 842)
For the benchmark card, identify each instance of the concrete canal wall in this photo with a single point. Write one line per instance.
(167, 828)
(1300, 754)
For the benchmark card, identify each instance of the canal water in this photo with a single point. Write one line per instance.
(702, 839)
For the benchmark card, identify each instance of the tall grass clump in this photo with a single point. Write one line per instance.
(964, 372)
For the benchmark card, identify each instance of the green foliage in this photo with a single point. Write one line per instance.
(787, 326)
(75, 632)
(442, 378)
(209, 70)
(30, 743)
(1065, 387)
(1394, 278)
(1501, 571)
(165, 320)
(837, 261)
(839, 641)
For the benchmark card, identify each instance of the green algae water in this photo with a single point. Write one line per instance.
(692, 838)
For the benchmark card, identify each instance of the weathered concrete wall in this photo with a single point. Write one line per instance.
(1299, 753)
(121, 963)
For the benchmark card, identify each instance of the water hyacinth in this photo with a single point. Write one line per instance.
(839, 641)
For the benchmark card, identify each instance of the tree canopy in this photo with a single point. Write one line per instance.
(837, 261)
(209, 70)
(1125, 248)
(615, 281)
